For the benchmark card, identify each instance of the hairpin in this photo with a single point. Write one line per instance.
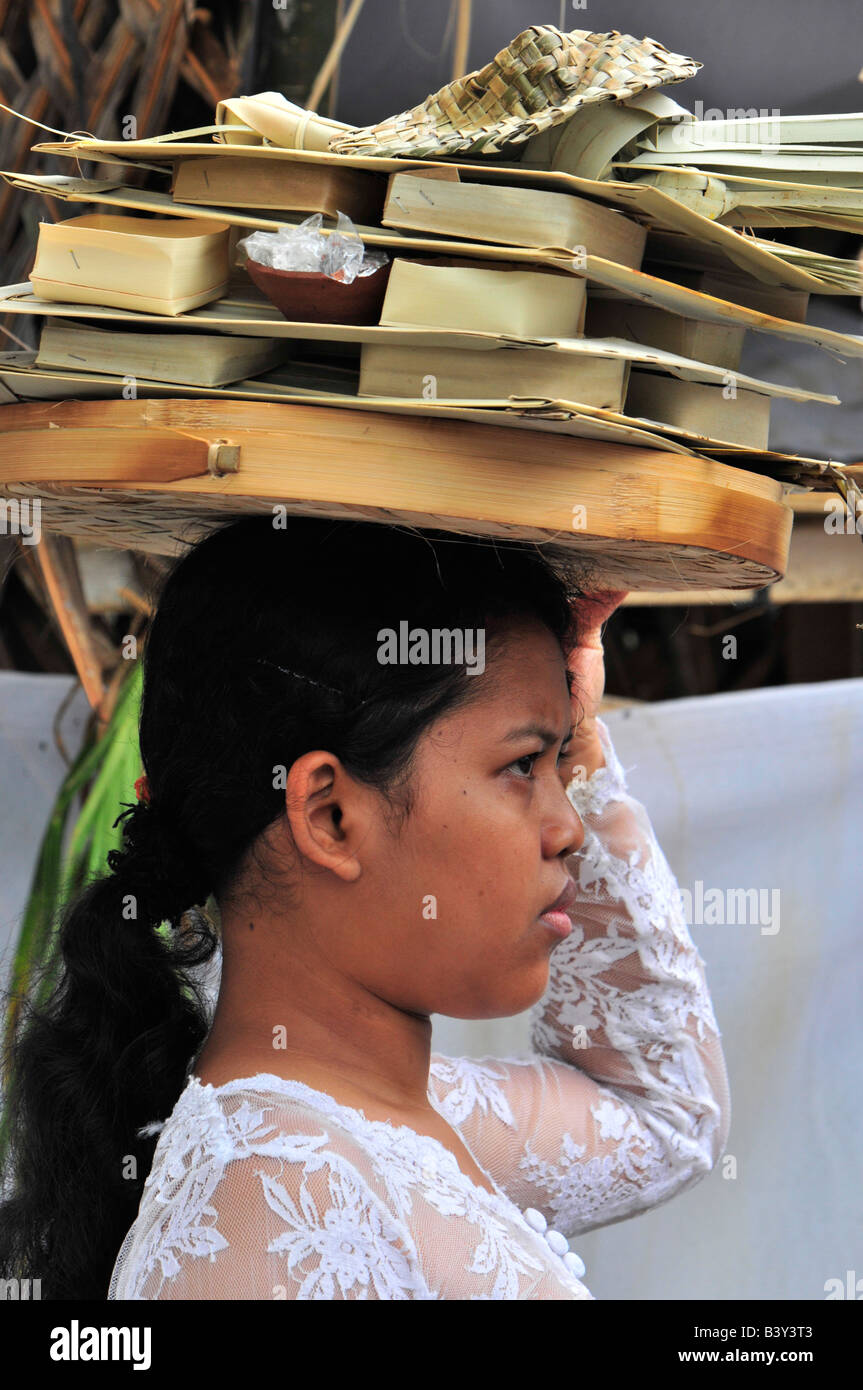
(261, 661)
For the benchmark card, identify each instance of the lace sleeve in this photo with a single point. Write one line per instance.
(624, 1102)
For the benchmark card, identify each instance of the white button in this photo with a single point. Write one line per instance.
(557, 1241)
(574, 1263)
(535, 1219)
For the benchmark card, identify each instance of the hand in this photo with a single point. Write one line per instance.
(587, 664)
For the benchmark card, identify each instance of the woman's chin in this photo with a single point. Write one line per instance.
(521, 992)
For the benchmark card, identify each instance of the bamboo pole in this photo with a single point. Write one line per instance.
(328, 67)
(59, 566)
(333, 96)
(462, 39)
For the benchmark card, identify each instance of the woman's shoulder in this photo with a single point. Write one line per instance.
(300, 1129)
(254, 1165)
(222, 1139)
(275, 1116)
(246, 1110)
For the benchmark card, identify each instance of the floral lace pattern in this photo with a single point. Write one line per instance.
(266, 1188)
(360, 1244)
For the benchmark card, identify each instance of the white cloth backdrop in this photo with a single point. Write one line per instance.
(759, 790)
(31, 773)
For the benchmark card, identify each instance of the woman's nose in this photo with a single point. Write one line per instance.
(566, 830)
(578, 832)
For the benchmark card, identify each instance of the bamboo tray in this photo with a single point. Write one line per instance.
(156, 475)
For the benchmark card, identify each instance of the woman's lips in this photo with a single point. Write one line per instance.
(558, 922)
(555, 915)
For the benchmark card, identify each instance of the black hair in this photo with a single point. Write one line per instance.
(108, 1053)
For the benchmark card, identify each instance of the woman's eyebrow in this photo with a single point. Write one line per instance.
(547, 735)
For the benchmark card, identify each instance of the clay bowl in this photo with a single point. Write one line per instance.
(312, 297)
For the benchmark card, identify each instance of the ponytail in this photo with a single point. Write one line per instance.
(103, 1058)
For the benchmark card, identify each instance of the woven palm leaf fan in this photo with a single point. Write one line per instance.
(537, 81)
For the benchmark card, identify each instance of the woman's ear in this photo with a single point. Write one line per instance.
(327, 813)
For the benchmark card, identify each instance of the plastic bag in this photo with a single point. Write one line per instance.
(339, 254)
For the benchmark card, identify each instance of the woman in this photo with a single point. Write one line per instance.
(385, 838)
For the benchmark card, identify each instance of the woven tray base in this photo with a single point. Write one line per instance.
(156, 475)
(168, 526)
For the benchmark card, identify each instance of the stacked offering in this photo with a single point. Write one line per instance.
(560, 289)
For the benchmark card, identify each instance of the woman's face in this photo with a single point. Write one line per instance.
(455, 893)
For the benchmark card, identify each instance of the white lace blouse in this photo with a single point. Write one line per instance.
(266, 1188)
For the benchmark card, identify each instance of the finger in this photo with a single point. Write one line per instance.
(602, 601)
(592, 611)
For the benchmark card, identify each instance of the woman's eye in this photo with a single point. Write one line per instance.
(531, 758)
(528, 758)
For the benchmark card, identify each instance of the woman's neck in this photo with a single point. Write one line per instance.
(328, 1033)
